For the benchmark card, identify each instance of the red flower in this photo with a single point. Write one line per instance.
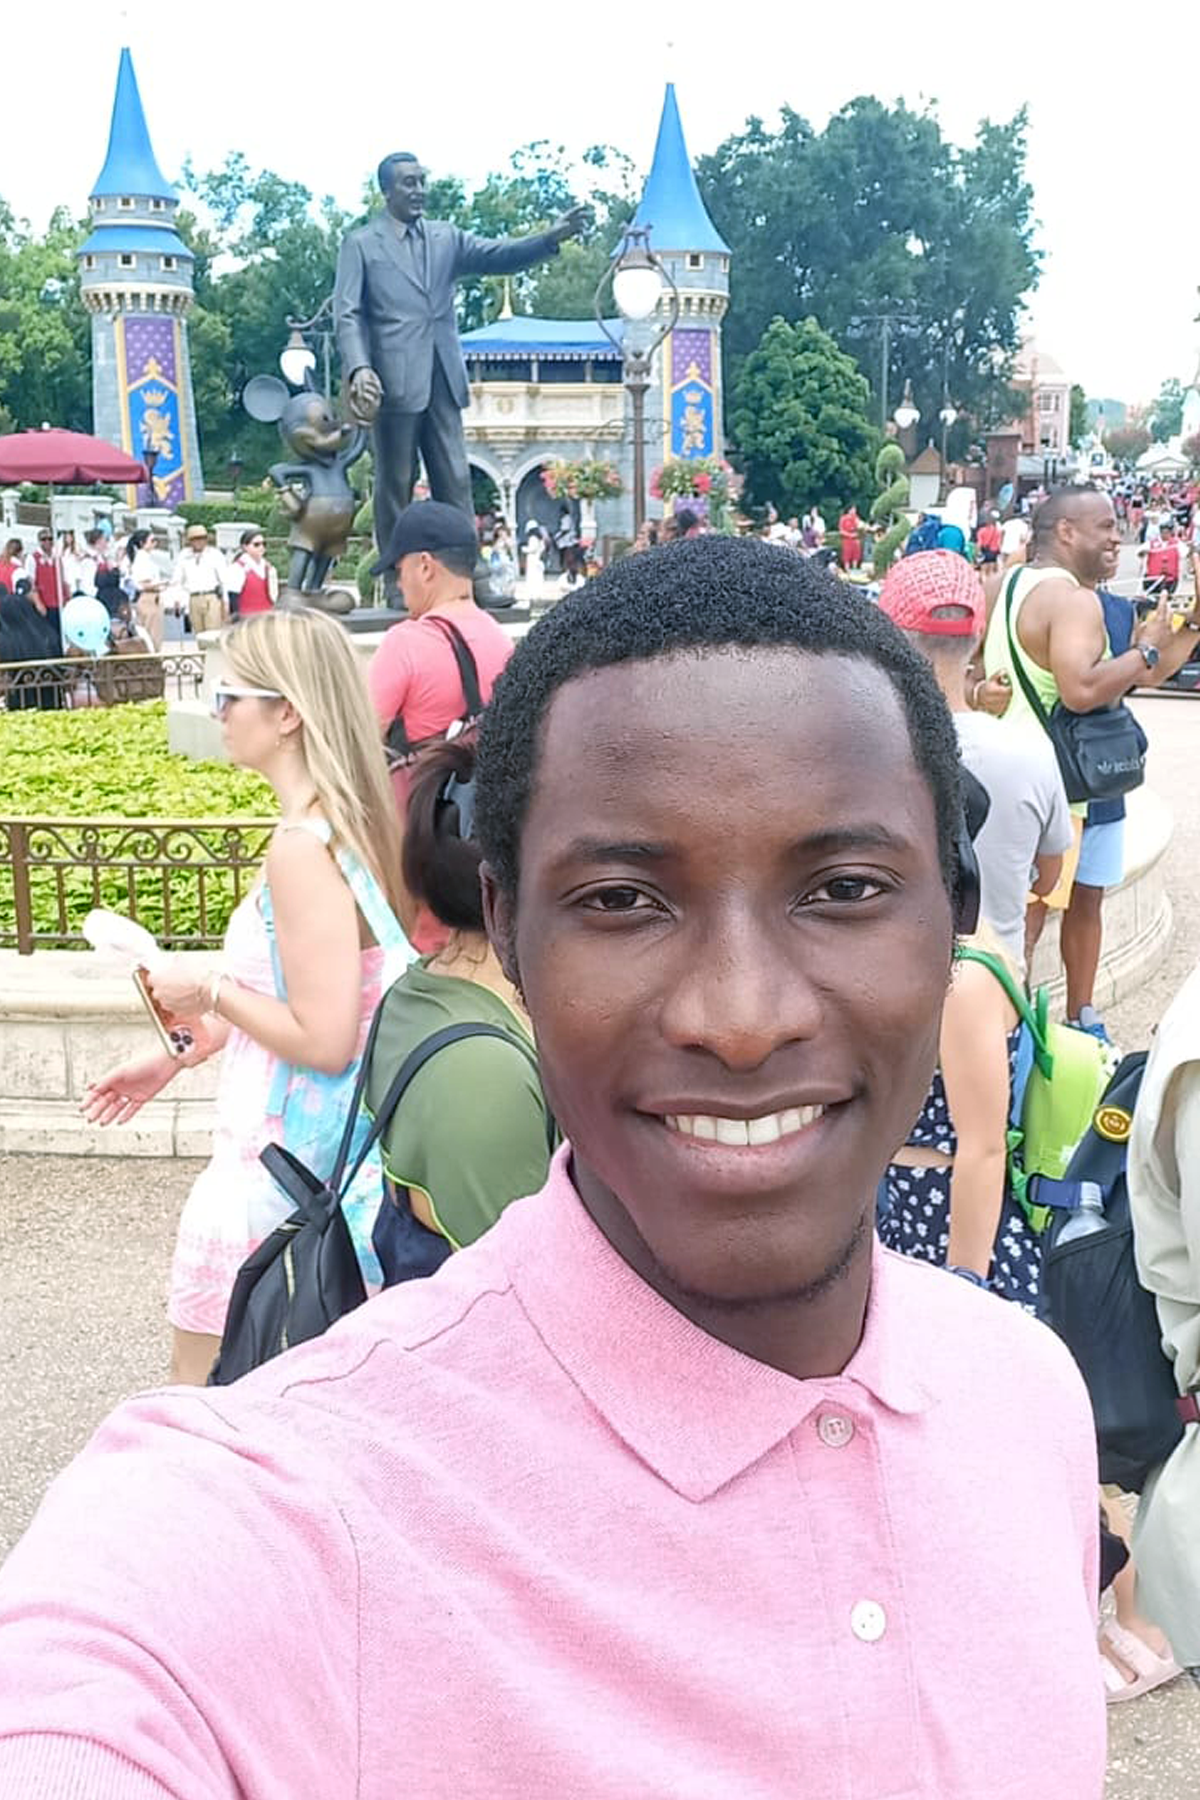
(704, 484)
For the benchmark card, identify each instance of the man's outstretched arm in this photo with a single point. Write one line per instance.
(503, 256)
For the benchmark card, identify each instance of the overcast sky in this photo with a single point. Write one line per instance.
(319, 92)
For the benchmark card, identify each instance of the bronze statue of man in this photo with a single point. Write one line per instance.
(396, 331)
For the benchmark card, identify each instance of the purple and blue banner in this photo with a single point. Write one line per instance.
(148, 366)
(691, 395)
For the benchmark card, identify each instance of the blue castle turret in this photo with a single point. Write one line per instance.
(687, 395)
(136, 282)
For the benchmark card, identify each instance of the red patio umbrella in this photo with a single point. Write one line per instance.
(66, 459)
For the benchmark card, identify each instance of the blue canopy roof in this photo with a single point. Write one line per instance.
(130, 166)
(522, 336)
(671, 205)
(156, 240)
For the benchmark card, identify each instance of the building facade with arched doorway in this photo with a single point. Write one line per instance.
(543, 391)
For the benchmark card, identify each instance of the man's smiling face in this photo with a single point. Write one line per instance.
(406, 192)
(734, 937)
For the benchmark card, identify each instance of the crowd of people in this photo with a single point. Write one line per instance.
(731, 877)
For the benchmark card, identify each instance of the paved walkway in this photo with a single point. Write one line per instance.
(85, 1244)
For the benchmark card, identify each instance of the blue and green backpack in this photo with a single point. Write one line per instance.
(1058, 1078)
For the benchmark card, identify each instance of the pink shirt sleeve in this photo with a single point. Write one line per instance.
(144, 1653)
(389, 675)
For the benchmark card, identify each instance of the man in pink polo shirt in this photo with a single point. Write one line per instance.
(674, 1483)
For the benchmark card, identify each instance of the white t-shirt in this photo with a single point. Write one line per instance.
(1028, 817)
(1014, 535)
(144, 571)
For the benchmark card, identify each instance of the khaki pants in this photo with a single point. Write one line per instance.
(148, 612)
(206, 611)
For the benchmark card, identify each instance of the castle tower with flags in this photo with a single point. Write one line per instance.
(136, 282)
(687, 395)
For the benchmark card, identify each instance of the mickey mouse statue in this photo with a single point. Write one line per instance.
(313, 489)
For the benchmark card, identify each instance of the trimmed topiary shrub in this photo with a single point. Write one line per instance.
(888, 509)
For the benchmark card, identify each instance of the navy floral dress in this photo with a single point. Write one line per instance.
(915, 1216)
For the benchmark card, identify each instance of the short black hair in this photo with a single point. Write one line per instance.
(702, 593)
(383, 173)
(1059, 503)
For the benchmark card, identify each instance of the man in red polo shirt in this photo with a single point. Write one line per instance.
(415, 680)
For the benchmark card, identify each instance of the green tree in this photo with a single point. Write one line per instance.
(1166, 415)
(800, 420)
(264, 251)
(45, 334)
(1125, 443)
(879, 214)
(1079, 424)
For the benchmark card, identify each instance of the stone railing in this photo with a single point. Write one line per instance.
(179, 878)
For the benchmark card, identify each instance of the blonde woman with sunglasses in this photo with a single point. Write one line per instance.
(306, 957)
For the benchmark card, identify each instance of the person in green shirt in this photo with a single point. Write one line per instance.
(473, 1130)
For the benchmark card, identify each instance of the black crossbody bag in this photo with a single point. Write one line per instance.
(1101, 754)
(397, 744)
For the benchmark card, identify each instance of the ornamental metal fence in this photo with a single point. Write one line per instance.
(180, 878)
(54, 684)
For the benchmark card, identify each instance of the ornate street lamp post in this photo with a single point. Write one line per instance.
(638, 282)
(298, 359)
(947, 416)
(907, 414)
(150, 458)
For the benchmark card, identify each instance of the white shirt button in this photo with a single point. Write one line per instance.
(835, 1430)
(868, 1621)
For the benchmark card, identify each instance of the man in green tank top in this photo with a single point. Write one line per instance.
(1059, 632)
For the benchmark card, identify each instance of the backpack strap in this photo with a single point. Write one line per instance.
(1017, 656)
(412, 1065)
(396, 740)
(468, 668)
(1034, 1016)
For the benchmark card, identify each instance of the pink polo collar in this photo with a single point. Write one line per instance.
(694, 1410)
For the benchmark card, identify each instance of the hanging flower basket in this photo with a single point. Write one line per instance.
(692, 478)
(706, 484)
(582, 481)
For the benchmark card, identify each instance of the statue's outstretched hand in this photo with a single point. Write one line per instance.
(571, 224)
(366, 395)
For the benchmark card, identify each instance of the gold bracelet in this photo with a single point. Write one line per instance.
(214, 992)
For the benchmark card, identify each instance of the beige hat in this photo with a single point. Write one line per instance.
(194, 531)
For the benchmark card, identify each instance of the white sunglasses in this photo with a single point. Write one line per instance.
(222, 695)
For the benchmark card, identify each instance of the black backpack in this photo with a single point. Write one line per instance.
(399, 748)
(305, 1275)
(1091, 1296)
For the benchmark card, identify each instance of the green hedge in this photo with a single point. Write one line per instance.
(254, 508)
(113, 762)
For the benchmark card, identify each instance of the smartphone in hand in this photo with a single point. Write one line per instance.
(176, 1039)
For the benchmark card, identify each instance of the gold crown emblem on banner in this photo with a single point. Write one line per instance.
(154, 396)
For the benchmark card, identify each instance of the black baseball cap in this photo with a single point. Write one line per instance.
(429, 525)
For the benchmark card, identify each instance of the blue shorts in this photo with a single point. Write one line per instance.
(1102, 855)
